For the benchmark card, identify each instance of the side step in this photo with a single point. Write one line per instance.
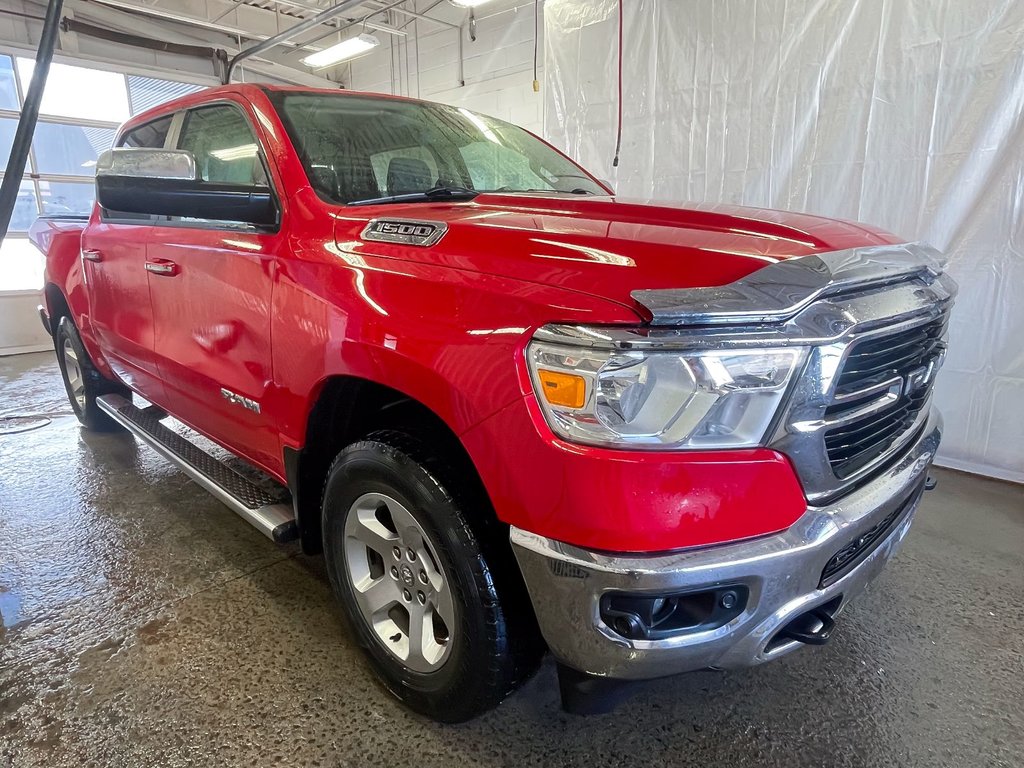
(271, 516)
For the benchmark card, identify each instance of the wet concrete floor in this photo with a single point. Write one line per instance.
(143, 624)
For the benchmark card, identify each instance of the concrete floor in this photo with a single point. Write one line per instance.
(143, 624)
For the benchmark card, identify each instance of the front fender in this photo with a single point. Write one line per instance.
(448, 338)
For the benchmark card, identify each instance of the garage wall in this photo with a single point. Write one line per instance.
(908, 115)
(498, 66)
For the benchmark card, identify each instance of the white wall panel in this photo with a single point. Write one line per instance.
(498, 66)
(908, 115)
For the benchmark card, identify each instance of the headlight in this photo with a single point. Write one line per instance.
(700, 399)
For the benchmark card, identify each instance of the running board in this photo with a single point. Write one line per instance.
(271, 516)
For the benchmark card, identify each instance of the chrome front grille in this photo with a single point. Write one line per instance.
(872, 321)
(881, 388)
(865, 393)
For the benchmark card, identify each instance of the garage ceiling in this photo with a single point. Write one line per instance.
(233, 25)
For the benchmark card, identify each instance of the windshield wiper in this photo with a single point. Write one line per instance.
(434, 193)
(577, 191)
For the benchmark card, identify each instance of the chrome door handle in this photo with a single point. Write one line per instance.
(165, 268)
(91, 254)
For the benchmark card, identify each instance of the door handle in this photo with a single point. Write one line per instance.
(162, 267)
(91, 254)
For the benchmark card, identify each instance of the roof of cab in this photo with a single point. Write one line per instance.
(244, 89)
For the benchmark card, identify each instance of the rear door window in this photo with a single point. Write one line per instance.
(152, 135)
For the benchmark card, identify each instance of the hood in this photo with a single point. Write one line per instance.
(606, 246)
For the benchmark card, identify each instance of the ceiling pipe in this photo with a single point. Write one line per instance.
(192, 21)
(394, 7)
(281, 37)
(357, 23)
(423, 16)
(363, 20)
(29, 115)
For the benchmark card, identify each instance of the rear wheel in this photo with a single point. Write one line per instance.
(82, 381)
(428, 594)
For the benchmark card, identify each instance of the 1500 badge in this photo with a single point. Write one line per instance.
(405, 231)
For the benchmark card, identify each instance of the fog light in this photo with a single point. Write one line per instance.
(655, 617)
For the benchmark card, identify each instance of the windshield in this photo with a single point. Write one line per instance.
(357, 148)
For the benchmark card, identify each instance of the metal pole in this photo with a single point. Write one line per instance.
(29, 114)
(298, 29)
(414, 15)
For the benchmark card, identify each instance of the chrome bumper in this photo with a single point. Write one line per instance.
(782, 573)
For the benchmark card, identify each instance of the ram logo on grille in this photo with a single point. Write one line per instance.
(405, 231)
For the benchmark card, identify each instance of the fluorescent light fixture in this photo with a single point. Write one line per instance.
(469, 3)
(346, 49)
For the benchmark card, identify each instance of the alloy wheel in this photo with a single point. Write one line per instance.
(399, 583)
(73, 373)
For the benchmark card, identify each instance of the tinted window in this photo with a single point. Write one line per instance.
(401, 170)
(356, 147)
(223, 144)
(151, 135)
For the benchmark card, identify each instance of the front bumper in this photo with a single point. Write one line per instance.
(783, 573)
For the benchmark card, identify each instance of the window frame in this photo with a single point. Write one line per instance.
(261, 154)
(108, 216)
(172, 141)
(123, 135)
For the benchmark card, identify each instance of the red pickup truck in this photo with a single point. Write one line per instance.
(513, 410)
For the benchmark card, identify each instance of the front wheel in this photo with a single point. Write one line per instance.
(433, 604)
(82, 381)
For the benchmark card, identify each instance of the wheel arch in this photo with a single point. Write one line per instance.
(348, 408)
(56, 304)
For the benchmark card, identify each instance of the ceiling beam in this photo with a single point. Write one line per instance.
(290, 32)
(191, 21)
(151, 27)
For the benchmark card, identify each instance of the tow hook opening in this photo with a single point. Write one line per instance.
(813, 627)
(655, 617)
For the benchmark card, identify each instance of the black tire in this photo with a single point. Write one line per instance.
(92, 382)
(496, 645)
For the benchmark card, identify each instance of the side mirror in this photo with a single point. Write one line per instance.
(164, 182)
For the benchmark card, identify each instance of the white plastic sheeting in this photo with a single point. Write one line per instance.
(907, 114)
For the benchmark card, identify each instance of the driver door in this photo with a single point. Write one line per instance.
(211, 295)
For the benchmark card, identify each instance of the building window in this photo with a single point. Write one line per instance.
(78, 119)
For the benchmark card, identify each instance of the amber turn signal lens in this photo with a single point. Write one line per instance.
(565, 389)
